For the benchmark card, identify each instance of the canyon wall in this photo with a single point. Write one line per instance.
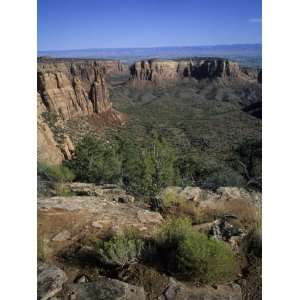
(70, 89)
(73, 89)
(156, 70)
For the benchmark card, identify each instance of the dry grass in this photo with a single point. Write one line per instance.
(248, 216)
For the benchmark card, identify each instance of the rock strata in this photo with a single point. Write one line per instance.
(48, 149)
(68, 90)
(157, 71)
(73, 89)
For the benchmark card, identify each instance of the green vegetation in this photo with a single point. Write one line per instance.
(55, 173)
(121, 249)
(54, 178)
(191, 253)
(43, 249)
(141, 170)
(96, 161)
(202, 122)
(208, 173)
(145, 168)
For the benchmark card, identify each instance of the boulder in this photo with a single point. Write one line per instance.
(50, 280)
(252, 197)
(62, 236)
(104, 289)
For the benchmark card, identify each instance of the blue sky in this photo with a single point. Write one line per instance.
(81, 24)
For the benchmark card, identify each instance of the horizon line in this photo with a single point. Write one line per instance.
(152, 47)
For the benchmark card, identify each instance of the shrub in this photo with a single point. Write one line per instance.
(121, 249)
(208, 173)
(146, 170)
(96, 161)
(171, 197)
(193, 254)
(55, 173)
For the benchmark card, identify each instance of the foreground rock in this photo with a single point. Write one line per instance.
(50, 281)
(65, 219)
(178, 291)
(159, 286)
(104, 289)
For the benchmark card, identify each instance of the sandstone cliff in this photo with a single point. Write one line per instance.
(109, 66)
(73, 89)
(68, 90)
(48, 150)
(160, 70)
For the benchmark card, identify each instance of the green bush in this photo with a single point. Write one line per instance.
(96, 161)
(208, 173)
(193, 254)
(121, 249)
(171, 197)
(55, 173)
(147, 170)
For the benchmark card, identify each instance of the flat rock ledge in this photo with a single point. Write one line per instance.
(93, 212)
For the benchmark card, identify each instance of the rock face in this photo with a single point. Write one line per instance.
(161, 70)
(48, 149)
(67, 90)
(104, 289)
(109, 66)
(73, 89)
(50, 281)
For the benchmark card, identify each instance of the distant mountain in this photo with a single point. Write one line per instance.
(245, 54)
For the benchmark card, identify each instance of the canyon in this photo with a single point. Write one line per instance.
(206, 110)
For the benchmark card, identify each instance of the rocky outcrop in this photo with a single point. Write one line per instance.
(109, 66)
(165, 70)
(48, 150)
(207, 198)
(111, 192)
(74, 89)
(99, 214)
(68, 90)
